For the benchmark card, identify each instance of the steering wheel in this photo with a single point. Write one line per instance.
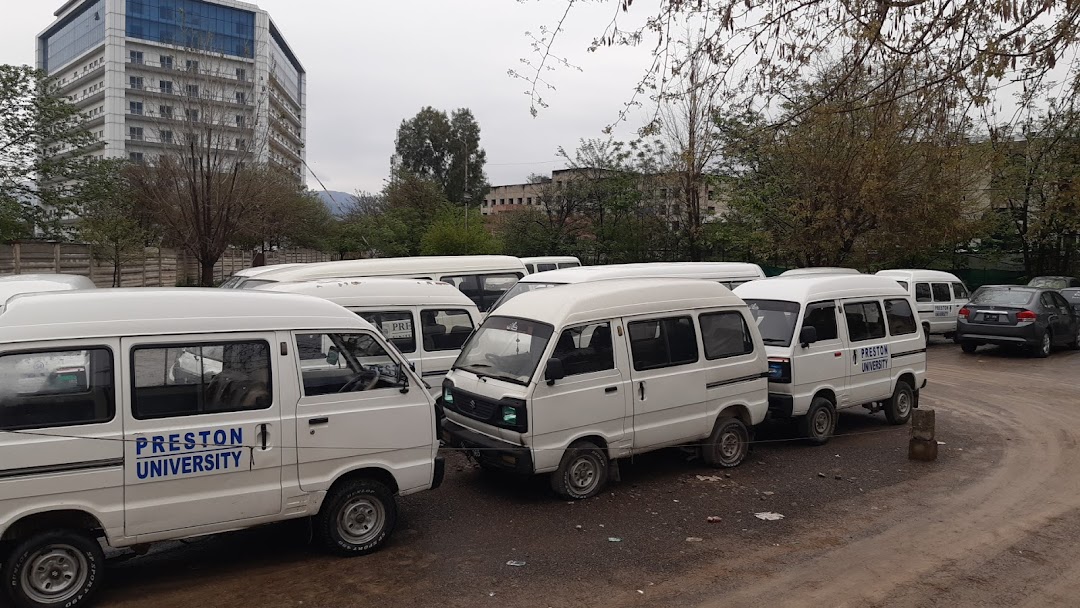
(367, 379)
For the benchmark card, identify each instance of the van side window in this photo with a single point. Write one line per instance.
(901, 319)
(484, 289)
(960, 291)
(663, 342)
(530, 268)
(864, 321)
(569, 265)
(724, 334)
(586, 349)
(903, 284)
(349, 363)
(193, 379)
(545, 267)
(822, 316)
(56, 388)
(942, 292)
(397, 327)
(445, 329)
(922, 293)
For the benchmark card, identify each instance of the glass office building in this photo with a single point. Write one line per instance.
(142, 71)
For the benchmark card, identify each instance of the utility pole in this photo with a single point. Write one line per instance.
(465, 187)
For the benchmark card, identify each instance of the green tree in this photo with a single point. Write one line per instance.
(37, 126)
(448, 235)
(110, 219)
(446, 150)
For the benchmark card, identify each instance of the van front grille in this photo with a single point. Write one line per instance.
(472, 406)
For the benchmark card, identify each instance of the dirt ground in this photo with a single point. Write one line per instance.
(991, 523)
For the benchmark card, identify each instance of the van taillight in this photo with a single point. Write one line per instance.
(1026, 315)
(964, 312)
(780, 370)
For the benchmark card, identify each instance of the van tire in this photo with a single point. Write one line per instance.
(728, 445)
(73, 557)
(356, 518)
(926, 334)
(583, 472)
(898, 407)
(814, 426)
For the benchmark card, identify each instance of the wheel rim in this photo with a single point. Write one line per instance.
(1046, 343)
(731, 445)
(55, 574)
(584, 474)
(822, 421)
(361, 520)
(903, 404)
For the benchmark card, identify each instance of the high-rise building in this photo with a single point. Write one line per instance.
(149, 75)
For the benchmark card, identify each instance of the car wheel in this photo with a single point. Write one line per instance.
(728, 445)
(969, 347)
(53, 569)
(819, 423)
(1042, 351)
(898, 408)
(356, 518)
(582, 473)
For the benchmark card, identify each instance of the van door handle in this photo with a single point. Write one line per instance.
(262, 435)
(611, 389)
(641, 389)
(315, 421)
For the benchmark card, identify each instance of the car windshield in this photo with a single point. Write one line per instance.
(505, 348)
(253, 283)
(522, 287)
(232, 283)
(1049, 282)
(1002, 296)
(776, 320)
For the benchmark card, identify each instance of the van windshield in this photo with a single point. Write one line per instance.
(776, 320)
(505, 348)
(253, 283)
(520, 288)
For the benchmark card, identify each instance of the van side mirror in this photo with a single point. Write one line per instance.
(807, 336)
(403, 378)
(554, 371)
(332, 356)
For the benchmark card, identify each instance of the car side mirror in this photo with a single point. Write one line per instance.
(332, 356)
(554, 371)
(403, 378)
(807, 336)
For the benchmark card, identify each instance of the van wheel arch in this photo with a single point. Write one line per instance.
(826, 393)
(375, 473)
(70, 519)
(735, 411)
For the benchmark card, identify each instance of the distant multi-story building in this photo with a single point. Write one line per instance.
(143, 72)
(662, 197)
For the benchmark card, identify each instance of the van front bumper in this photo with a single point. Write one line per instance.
(489, 451)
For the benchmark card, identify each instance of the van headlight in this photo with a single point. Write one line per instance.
(513, 415)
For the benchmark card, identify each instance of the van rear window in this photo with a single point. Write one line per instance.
(56, 388)
(725, 334)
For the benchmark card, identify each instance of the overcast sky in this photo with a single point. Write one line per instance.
(372, 64)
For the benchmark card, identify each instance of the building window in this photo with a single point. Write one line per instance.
(712, 209)
(136, 57)
(529, 201)
(502, 201)
(165, 111)
(167, 137)
(192, 65)
(241, 144)
(167, 62)
(135, 107)
(135, 157)
(519, 200)
(192, 115)
(192, 90)
(136, 133)
(241, 98)
(241, 74)
(710, 195)
(166, 86)
(135, 81)
(241, 120)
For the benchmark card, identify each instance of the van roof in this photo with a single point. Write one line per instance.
(806, 288)
(257, 270)
(100, 313)
(14, 285)
(687, 270)
(550, 258)
(915, 274)
(377, 291)
(590, 301)
(794, 272)
(419, 265)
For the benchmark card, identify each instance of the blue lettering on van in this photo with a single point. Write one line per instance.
(175, 455)
(874, 358)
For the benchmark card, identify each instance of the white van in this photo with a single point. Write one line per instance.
(730, 274)
(795, 272)
(483, 278)
(396, 307)
(838, 341)
(566, 381)
(17, 284)
(938, 295)
(550, 262)
(123, 448)
(242, 275)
